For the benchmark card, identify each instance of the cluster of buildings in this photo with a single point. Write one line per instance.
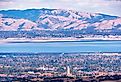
(76, 65)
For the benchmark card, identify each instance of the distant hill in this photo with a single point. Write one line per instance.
(57, 19)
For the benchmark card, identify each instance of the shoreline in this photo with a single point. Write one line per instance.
(62, 53)
(54, 40)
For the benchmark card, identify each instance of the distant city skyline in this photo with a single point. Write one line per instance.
(111, 7)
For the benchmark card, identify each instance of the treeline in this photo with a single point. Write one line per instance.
(55, 33)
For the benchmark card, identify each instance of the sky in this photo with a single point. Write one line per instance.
(111, 7)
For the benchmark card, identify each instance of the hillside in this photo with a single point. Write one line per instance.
(57, 19)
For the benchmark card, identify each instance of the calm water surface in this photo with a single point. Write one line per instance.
(92, 46)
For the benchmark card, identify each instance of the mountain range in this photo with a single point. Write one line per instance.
(57, 19)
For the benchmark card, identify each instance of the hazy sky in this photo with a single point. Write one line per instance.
(112, 7)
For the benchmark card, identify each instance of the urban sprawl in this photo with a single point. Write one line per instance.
(60, 67)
